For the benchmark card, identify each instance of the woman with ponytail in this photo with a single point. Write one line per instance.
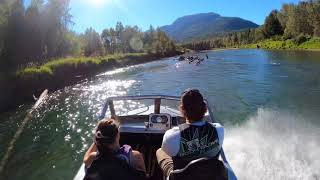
(106, 153)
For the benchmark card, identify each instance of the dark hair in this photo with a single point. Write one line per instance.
(192, 105)
(105, 135)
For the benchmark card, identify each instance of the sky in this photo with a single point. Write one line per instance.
(101, 14)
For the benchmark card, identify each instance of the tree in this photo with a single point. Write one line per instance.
(131, 39)
(35, 48)
(71, 44)
(119, 37)
(107, 41)
(313, 9)
(298, 20)
(272, 25)
(37, 32)
(259, 35)
(40, 32)
(4, 14)
(149, 38)
(92, 43)
(14, 35)
(55, 22)
(110, 40)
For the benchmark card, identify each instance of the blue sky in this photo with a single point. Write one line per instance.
(101, 14)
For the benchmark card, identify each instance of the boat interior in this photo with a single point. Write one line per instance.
(143, 127)
(143, 122)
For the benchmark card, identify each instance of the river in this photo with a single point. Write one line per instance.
(269, 102)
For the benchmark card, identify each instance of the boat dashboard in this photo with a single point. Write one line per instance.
(146, 124)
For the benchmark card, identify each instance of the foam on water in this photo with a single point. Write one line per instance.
(274, 145)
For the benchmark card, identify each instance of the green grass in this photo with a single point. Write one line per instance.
(74, 62)
(312, 44)
(37, 70)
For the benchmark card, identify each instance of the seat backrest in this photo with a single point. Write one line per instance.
(201, 169)
(112, 168)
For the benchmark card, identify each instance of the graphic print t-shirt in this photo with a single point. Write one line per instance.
(200, 139)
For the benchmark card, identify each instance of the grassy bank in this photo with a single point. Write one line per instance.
(312, 44)
(73, 63)
(59, 73)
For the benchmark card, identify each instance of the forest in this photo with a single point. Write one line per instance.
(39, 50)
(293, 26)
(34, 35)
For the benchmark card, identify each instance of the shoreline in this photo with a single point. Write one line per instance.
(284, 49)
(308, 45)
(23, 87)
(219, 49)
(239, 48)
(288, 49)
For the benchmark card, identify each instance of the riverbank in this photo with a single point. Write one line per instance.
(220, 49)
(59, 73)
(312, 45)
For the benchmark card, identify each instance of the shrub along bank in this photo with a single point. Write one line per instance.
(312, 44)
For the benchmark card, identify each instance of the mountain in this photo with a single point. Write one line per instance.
(204, 24)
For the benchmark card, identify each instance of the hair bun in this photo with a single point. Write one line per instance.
(106, 131)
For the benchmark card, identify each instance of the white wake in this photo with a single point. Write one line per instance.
(274, 145)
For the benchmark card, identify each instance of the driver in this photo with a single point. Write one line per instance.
(194, 139)
(105, 156)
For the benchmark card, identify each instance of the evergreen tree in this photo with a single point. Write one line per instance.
(272, 25)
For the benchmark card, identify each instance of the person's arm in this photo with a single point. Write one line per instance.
(170, 148)
(171, 142)
(90, 155)
(165, 162)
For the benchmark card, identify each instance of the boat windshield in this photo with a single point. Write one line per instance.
(137, 109)
(144, 107)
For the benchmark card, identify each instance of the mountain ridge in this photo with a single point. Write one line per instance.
(203, 24)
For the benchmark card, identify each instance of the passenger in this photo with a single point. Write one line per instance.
(106, 154)
(194, 139)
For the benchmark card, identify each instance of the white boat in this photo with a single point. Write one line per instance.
(143, 121)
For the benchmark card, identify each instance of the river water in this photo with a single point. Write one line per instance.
(269, 102)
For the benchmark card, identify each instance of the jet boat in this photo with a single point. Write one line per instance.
(143, 122)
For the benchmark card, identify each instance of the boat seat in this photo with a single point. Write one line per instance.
(112, 168)
(201, 169)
